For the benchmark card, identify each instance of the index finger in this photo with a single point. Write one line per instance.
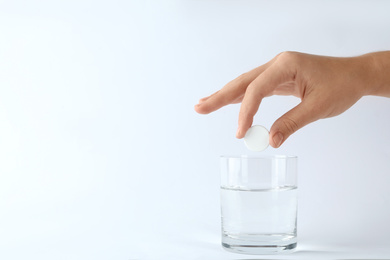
(231, 92)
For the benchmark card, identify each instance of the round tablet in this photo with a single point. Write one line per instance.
(256, 138)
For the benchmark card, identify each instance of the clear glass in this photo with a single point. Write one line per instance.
(259, 204)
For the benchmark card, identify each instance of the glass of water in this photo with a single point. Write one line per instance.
(259, 204)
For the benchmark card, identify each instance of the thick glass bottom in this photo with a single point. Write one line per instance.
(264, 244)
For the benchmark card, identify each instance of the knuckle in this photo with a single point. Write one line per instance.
(288, 56)
(245, 118)
(247, 111)
(243, 76)
(289, 62)
(253, 90)
(237, 82)
(241, 80)
(244, 112)
(290, 124)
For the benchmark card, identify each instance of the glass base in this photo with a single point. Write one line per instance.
(260, 244)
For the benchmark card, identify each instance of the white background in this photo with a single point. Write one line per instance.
(103, 157)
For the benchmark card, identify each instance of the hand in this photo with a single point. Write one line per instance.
(327, 86)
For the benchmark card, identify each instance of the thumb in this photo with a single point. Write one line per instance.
(289, 123)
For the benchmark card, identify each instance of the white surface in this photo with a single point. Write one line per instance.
(83, 84)
(257, 138)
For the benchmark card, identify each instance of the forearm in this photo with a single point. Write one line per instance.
(379, 79)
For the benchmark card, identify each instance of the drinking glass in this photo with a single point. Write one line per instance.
(259, 204)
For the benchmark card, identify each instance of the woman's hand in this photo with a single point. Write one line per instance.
(327, 86)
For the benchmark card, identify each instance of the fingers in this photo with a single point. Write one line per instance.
(251, 87)
(218, 99)
(261, 87)
(290, 122)
(206, 98)
(227, 95)
(232, 92)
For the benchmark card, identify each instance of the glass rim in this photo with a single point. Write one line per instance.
(258, 157)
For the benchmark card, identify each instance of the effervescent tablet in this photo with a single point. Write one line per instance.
(257, 138)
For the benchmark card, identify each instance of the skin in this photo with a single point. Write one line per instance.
(327, 86)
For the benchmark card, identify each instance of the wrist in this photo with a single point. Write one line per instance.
(377, 82)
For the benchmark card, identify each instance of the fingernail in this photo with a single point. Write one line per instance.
(238, 133)
(278, 139)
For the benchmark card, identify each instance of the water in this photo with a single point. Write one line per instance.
(259, 221)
